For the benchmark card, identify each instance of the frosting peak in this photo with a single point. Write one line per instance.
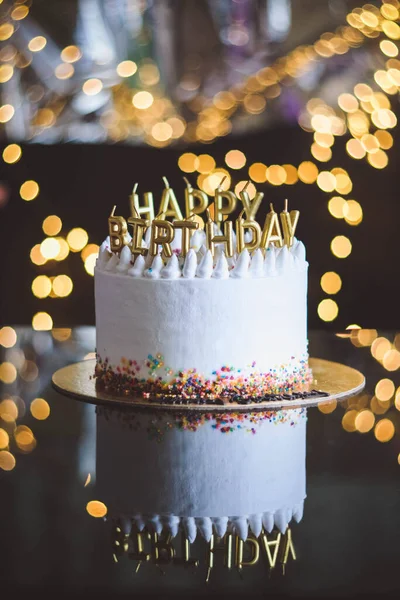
(171, 269)
(221, 270)
(241, 269)
(205, 268)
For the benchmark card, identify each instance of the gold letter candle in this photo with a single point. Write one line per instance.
(187, 228)
(289, 223)
(148, 206)
(272, 231)
(139, 226)
(196, 201)
(222, 208)
(250, 206)
(169, 206)
(118, 232)
(162, 233)
(241, 225)
(226, 238)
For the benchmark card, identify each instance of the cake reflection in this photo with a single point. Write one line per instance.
(173, 481)
(273, 550)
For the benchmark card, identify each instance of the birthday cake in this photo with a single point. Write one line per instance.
(197, 314)
(202, 314)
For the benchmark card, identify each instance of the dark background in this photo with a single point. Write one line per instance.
(80, 183)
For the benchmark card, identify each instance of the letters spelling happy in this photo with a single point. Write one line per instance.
(278, 230)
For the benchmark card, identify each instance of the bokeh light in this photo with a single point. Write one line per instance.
(41, 286)
(142, 100)
(364, 421)
(235, 159)
(258, 172)
(349, 420)
(384, 390)
(8, 372)
(62, 286)
(64, 71)
(354, 213)
(331, 282)
(52, 225)
(42, 321)
(71, 54)
(36, 256)
(77, 239)
(341, 246)
(29, 190)
(24, 438)
(355, 148)
(188, 162)
(49, 248)
(7, 460)
(90, 263)
(93, 86)
(12, 153)
(327, 407)
(40, 409)
(328, 310)
(126, 68)
(8, 410)
(292, 176)
(276, 175)
(380, 346)
(63, 249)
(37, 43)
(6, 113)
(4, 439)
(326, 181)
(391, 360)
(8, 337)
(96, 509)
(378, 160)
(384, 430)
(205, 163)
(6, 31)
(308, 172)
(338, 208)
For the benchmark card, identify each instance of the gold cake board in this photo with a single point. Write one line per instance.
(337, 380)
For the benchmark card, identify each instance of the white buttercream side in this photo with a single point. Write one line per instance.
(202, 323)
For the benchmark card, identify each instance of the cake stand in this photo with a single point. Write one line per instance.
(333, 380)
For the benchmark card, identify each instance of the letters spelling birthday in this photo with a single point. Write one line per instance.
(279, 230)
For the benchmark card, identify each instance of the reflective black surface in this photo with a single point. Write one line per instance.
(347, 544)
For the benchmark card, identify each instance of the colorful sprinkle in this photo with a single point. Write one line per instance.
(160, 383)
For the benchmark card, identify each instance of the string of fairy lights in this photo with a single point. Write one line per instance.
(364, 114)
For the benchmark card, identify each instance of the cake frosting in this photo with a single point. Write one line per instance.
(203, 325)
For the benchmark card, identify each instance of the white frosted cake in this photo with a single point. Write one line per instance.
(201, 334)
(198, 324)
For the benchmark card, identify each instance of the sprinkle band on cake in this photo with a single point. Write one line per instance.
(145, 378)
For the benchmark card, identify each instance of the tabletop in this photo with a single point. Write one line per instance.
(346, 545)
